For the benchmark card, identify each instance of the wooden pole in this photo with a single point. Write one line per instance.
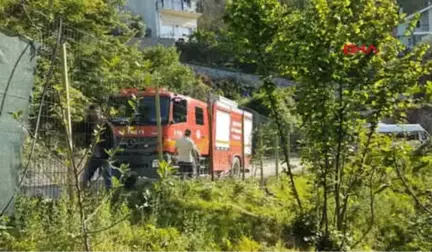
(243, 148)
(73, 174)
(158, 122)
(68, 121)
(66, 83)
(277, 155)
(210, 123)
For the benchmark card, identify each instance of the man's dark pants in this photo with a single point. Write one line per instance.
(187, 168)
(99, 163)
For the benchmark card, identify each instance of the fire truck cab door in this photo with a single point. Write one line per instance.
(199, 127)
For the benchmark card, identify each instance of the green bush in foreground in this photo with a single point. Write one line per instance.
(176, 215)
(226, 215)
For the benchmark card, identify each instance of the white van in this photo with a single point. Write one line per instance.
(410, 132)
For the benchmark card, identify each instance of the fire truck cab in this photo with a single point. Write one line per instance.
(136, 133)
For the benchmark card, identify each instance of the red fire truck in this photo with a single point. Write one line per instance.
(136, 131)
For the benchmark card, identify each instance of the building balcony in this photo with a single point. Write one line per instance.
(175, 32)
(186, 8)
(174, 36)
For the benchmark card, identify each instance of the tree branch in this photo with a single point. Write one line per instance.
(408, 188)
(372, 208)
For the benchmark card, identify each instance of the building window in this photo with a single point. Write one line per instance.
(199, 116)
(167, 31)
(418, 24)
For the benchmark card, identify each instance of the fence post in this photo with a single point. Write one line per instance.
(68, 122)
(261, 156)
(158, 122)
(277, 154)
(210, 120)
(256, 152)
(243, 149)
(289, 144)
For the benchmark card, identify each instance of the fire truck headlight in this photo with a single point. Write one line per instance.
(155, 163)
(169, 143)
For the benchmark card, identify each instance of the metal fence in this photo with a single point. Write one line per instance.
(177, 5)
(45, 146)
(268, 153)
(45, 161)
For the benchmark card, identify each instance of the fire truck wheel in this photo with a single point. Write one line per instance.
(236, 167)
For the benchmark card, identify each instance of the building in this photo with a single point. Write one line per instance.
(422, 31)
(168, 20)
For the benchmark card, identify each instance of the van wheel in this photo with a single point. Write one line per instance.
(236, 168)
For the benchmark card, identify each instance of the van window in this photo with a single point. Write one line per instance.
(409, 136)
(180, 111)
(199, 116)
(423, 136)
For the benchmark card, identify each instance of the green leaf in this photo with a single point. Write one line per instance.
(132, 104)
(16, 115)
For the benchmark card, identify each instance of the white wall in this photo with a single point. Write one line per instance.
(162, 24)
(177, 25)
(147, 10)
(430, 19)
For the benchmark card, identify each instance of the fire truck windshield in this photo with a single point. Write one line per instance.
(145, 114)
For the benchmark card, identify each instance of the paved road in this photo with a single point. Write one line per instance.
(269, 167)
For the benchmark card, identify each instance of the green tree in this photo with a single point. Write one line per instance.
(253, 26)
(334, 90)
(299, 4)
(212, 14)
(101, 57)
